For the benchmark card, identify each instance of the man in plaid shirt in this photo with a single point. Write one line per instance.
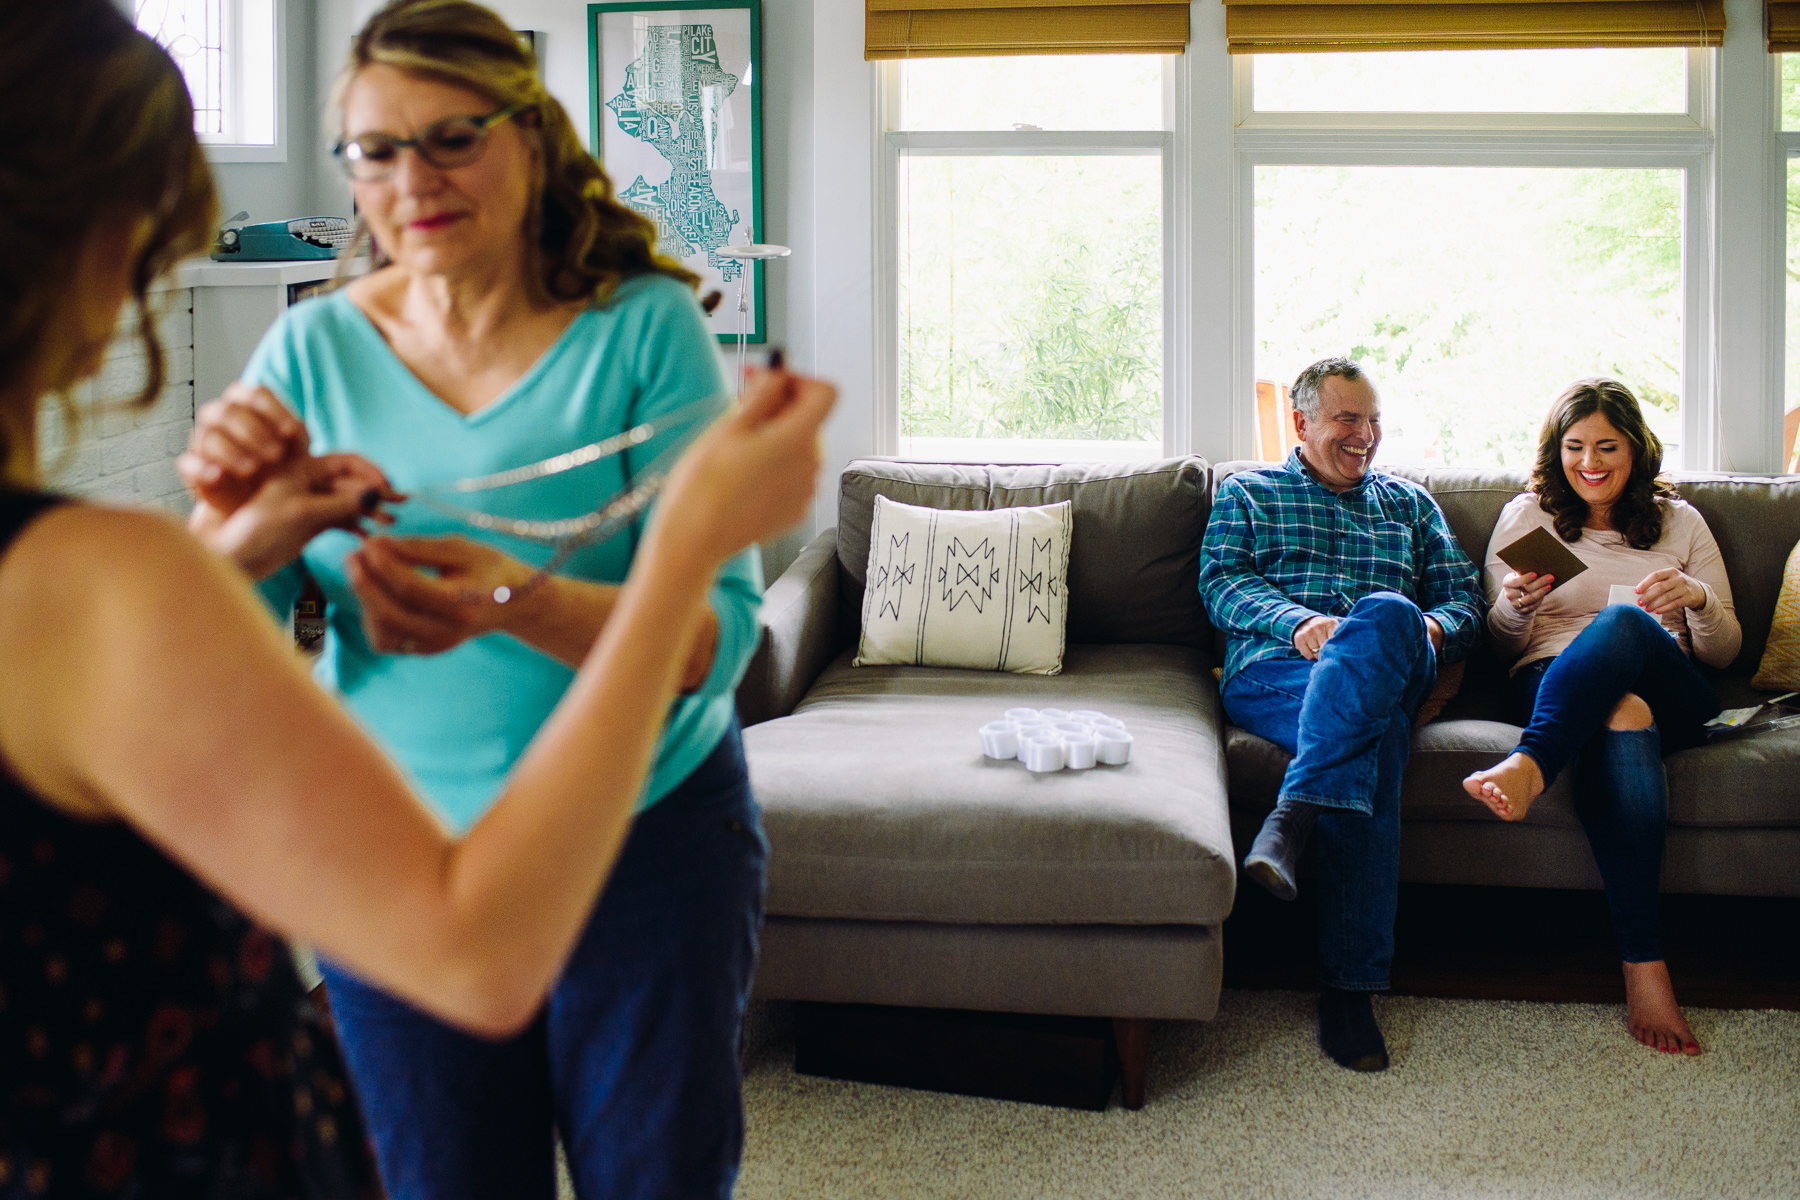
(1338, 589)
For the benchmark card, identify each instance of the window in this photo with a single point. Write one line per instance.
(1790, 138)
(1025, 203)
(228, 51)
(1478, 259)
(1789, 457)
(1544, 213)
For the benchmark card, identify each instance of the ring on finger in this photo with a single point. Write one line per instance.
(409, 646)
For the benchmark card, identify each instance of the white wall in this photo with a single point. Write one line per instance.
(841, 250)
(1749, 187)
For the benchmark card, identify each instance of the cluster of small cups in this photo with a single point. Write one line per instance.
(1050, 739)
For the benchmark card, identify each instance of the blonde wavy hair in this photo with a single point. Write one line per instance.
(95, 126)
(589, 240)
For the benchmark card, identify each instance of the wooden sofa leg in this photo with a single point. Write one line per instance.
(1132, 1034)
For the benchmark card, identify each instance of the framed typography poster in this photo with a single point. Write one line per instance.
(675, 108)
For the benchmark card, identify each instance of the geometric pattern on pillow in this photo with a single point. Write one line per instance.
(983, 589)
(1780, 666)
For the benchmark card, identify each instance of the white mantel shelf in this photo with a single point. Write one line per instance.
(234, 305)
(204, 272)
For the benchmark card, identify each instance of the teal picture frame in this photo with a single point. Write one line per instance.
(664, 119)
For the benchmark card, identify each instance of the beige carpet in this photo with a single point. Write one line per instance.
(1484, 1100)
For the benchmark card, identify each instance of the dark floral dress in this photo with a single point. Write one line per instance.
(153, 1042)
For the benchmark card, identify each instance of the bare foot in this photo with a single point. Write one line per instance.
(1509, 787)
(1651, 1012)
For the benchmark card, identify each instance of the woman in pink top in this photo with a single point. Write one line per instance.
(1608, 686)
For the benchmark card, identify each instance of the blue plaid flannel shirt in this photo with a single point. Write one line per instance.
(1281, 549)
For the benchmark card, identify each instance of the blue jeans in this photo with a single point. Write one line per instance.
(1621, 794)
(1347, 720)
(634, 1059)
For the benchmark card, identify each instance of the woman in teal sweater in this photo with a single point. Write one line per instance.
(518, 311)
(174, 789)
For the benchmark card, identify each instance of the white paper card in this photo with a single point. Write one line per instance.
(1733, 718)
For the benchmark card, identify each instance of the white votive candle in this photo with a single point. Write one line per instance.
(1000, 739)
(1115, 747)
(1042, 754)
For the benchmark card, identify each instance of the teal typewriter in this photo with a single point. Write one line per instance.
(280, 241)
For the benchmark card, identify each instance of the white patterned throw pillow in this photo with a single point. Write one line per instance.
(984, 589)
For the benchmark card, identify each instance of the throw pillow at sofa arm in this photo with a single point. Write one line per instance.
(1780, 666)
(983, 589)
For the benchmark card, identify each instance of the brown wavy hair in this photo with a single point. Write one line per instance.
(589, 240)
(95, 126)
(1638, 513)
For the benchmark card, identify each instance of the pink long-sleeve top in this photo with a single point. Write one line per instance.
(1710, 633)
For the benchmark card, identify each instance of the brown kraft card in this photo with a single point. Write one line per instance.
(1541, 552)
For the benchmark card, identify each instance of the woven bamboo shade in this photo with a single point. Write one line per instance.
(1784, 26)
(958, 28)
(1316, 25)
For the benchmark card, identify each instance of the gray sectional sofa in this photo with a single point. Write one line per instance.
(907, 870)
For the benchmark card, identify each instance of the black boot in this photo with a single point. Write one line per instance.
(1348, 1033)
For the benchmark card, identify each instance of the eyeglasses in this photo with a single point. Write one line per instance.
(451, 142)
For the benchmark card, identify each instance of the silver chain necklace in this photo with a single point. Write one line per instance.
(571, 534)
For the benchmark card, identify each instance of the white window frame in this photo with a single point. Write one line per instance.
(1679, 141)
(219, 150)
(1694, 118)
(1787, 142)
(895, 144)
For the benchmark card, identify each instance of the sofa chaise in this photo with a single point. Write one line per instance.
(909, 870)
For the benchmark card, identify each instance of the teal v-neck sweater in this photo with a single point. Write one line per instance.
(458, 721)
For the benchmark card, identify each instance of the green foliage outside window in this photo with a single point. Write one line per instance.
(1790, 91)
(1475, 293)
(1031, 297)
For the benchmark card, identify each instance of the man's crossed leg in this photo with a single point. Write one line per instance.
(1346, 717)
